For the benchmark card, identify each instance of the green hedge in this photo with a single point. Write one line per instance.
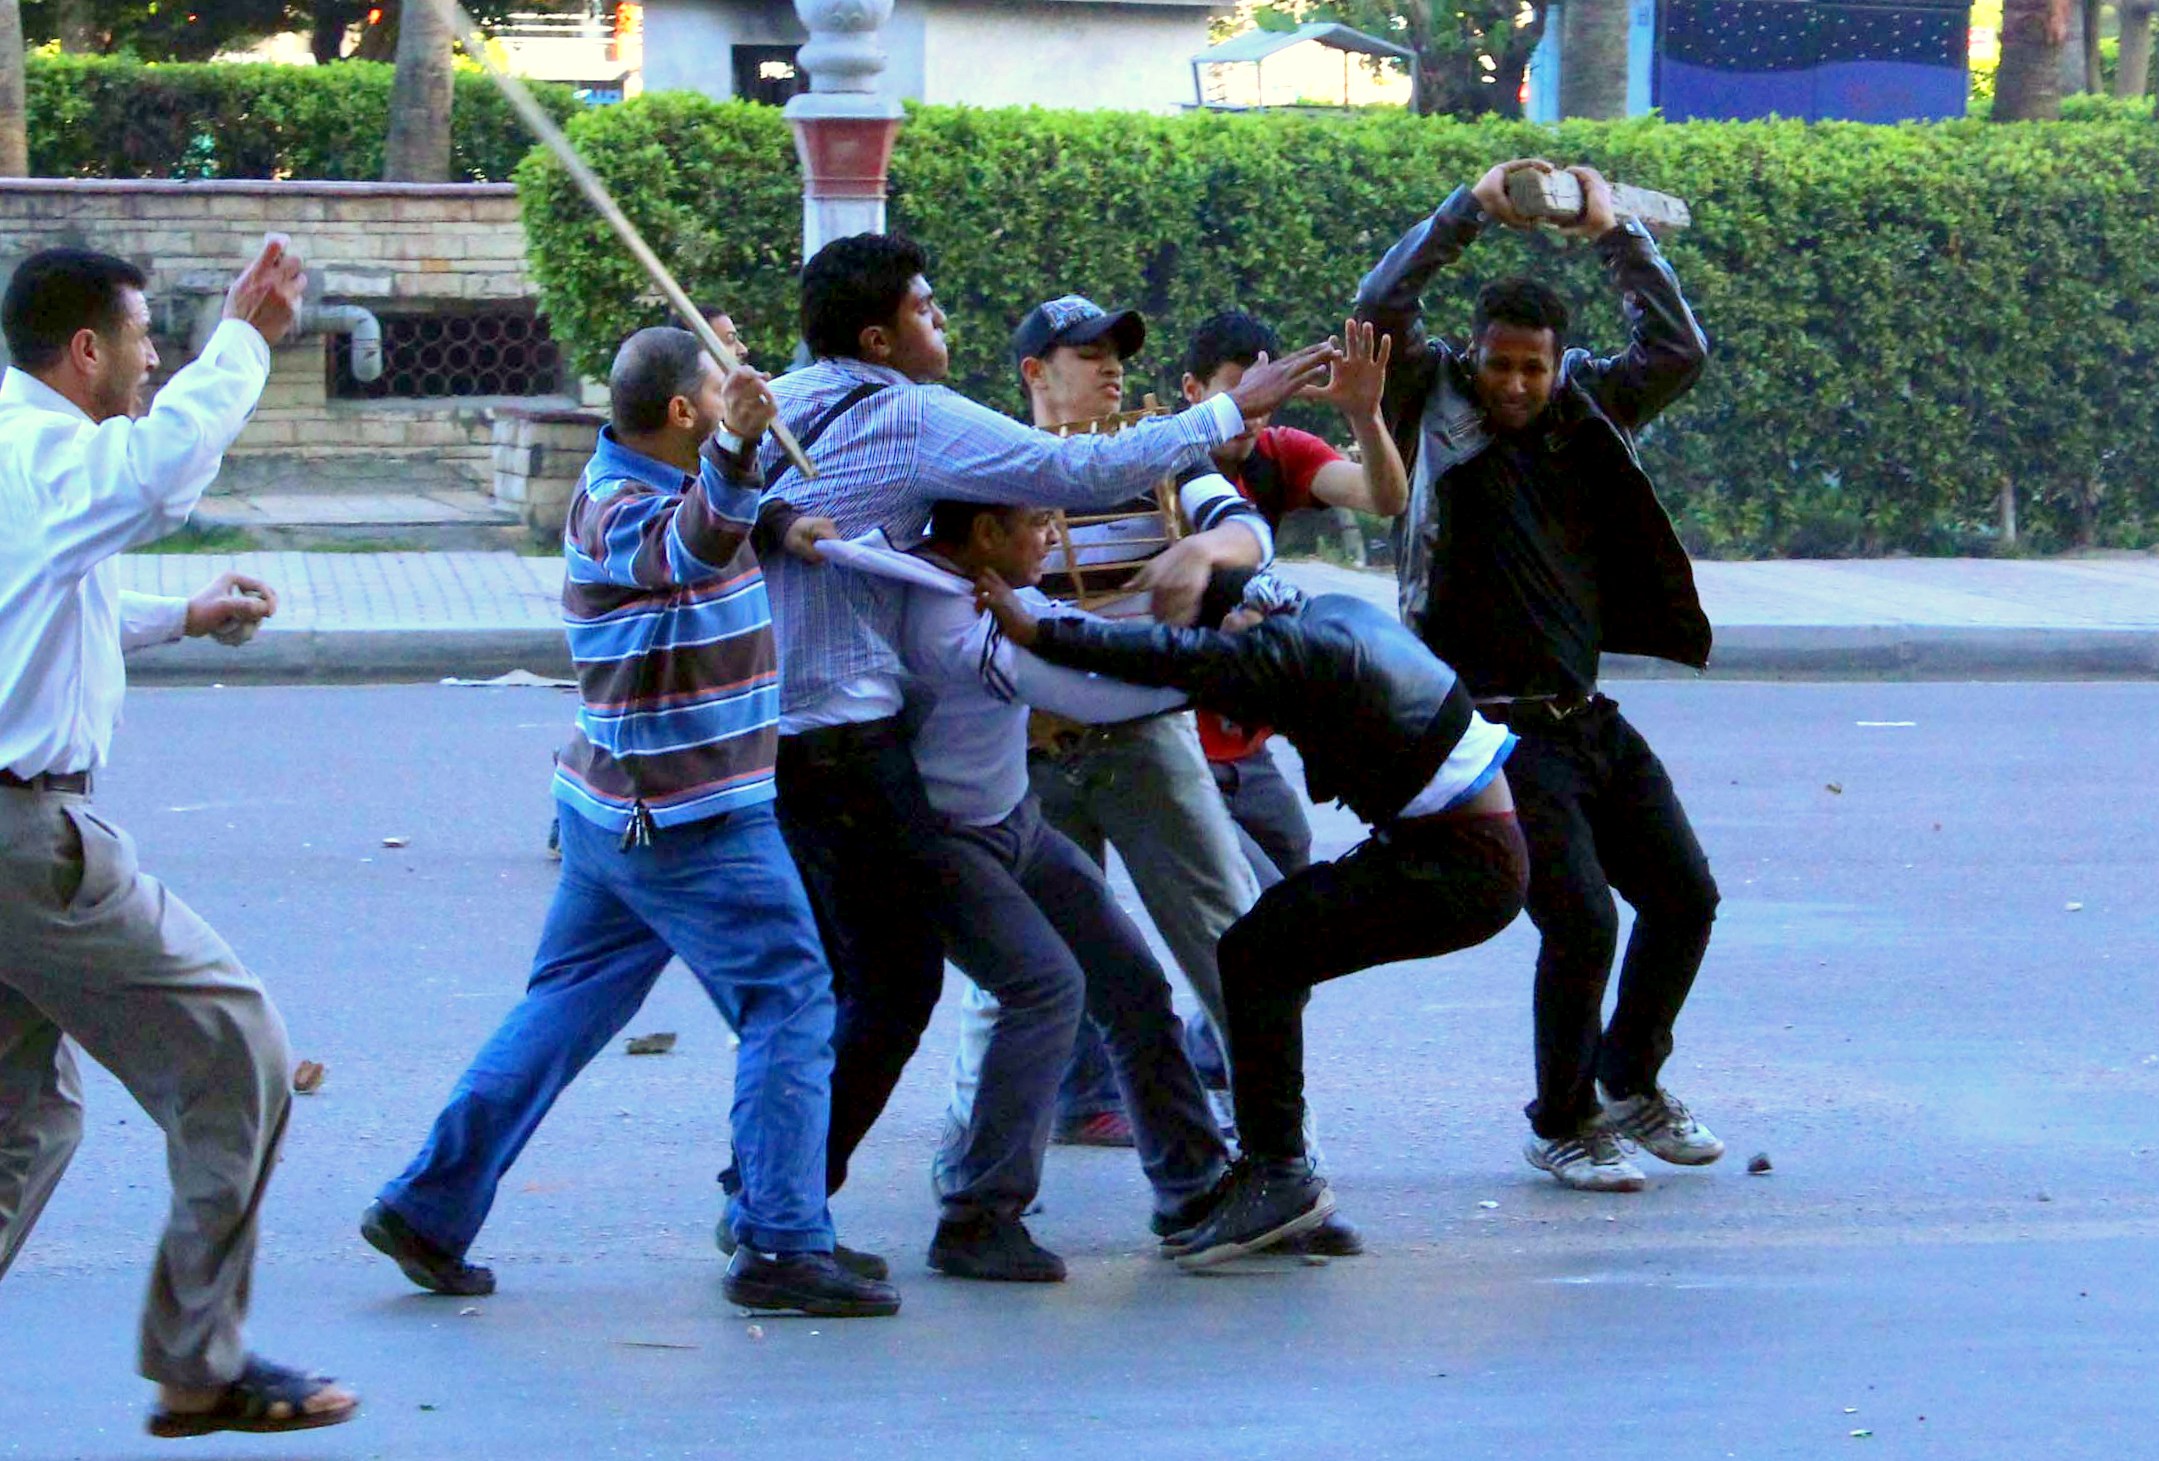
(1904, 318)
(94, 116)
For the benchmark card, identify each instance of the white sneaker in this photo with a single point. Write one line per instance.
(1588, 1161)
(1661, 1125)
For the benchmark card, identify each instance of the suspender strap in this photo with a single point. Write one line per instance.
(862, 392)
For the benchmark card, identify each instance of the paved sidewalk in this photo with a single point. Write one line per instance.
(417, 616)
(368, 616)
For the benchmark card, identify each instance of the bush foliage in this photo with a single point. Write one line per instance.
(94, 116)
(1905, 320)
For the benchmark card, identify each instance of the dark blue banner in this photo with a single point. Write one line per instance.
(1736, 59)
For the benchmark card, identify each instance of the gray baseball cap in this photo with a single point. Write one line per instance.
(1074, 320)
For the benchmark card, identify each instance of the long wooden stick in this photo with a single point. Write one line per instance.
(588, 182)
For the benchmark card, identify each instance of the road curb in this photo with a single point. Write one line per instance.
(1913, 652)
(1743, 652)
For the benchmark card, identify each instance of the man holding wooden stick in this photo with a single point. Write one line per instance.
(1533, 543)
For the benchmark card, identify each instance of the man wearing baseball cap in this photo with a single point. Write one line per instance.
(1071, 322)
(1143, 785)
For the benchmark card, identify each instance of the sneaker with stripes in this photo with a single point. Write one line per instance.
(1660, 1124)
(1590, 1160)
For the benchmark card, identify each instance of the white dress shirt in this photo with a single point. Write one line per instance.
(74, 493)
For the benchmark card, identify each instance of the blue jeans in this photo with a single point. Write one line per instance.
(724, 896)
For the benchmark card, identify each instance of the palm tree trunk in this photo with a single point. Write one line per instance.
(2094, 79)
(2071, 61)
(1593, 58)
(418, 147)
(14, 120)
(2028, 87)
(76, 25)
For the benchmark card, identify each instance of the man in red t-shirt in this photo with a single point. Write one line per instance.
(1282, 470)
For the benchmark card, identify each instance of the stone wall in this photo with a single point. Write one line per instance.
(539, 455)
(382, 246)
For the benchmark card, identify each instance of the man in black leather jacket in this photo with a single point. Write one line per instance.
(1384, 727)
(1533, 543)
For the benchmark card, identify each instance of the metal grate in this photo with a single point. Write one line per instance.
(480, 353)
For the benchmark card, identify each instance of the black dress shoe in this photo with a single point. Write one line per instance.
(431, 1267)
(996, 1249)
(805, 1283)
(861, 1265)
(1267, 1201)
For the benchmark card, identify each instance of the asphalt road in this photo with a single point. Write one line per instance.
(1931, 1001)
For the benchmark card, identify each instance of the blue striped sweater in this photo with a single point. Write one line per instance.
(671, 634)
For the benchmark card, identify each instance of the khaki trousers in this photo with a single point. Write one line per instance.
(94, 952)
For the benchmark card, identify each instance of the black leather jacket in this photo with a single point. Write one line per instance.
(1371, 710)
(1645, 583)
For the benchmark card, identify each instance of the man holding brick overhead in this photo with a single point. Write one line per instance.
(669, 848)
(1533, 543)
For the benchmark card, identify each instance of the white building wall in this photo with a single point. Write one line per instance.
(689, 44)
(994, 53)
(987, 53)
(1307, 74)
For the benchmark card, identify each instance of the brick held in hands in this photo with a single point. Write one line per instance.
(1556, 197)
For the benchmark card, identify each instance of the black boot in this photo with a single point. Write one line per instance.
(1337, 1237)
(805, 1283)
(1266, 1202)
(856, 1262)
(998, 1249)
(424, 1262)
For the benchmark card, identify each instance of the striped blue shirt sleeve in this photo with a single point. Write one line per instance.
(626, 533)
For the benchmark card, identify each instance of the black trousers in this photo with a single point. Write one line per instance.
(861, 829)
(1600, 816)
(1427, 888)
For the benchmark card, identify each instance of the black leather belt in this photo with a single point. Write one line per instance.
(74, 782)
(1520, 710)
(1075, 739)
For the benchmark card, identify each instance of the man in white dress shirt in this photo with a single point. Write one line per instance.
(93, 951)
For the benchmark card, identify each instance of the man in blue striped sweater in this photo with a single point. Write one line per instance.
(669, 848)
